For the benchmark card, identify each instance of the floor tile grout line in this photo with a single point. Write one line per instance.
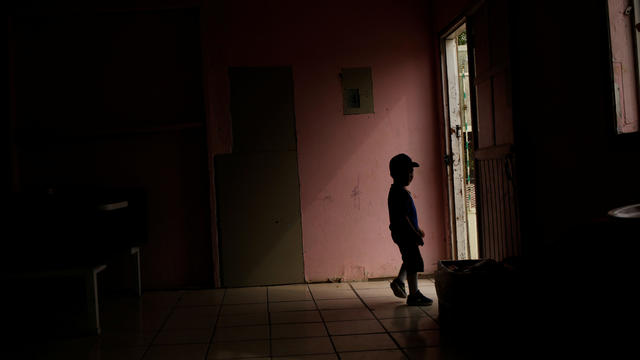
(385, 329)
(269, 324)
(429, 315)
(215, 326)
(164, 323)
(296, 337)
(324, 323)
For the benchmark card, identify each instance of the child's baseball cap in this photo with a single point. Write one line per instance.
(400, 164)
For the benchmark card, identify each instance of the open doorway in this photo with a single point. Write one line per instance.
(459, 138)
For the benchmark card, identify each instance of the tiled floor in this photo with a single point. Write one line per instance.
(317, 321)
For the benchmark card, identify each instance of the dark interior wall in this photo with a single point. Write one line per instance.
(111, 96)
(444, 12)
(573, 166)
(573, 169)
(108, 71)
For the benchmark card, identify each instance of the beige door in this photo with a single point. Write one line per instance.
(257, 187)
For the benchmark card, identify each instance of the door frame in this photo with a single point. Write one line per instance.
(454, 241)
(448, 151)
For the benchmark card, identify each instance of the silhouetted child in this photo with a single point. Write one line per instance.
(405, 231)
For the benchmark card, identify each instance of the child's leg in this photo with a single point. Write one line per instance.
(402, 274)
(412, 278)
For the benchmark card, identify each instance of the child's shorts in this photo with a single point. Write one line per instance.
(411, 257)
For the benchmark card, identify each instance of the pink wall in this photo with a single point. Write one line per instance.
(343, 160)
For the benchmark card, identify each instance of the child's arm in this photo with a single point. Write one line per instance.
(419, 233)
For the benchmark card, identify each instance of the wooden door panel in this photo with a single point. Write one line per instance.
(498, 217)
(498, 221)
(503, 120)
(498, 31)
(479, 28)
(484, 96)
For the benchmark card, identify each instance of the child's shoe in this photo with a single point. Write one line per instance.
(418, 299)
(398, 288)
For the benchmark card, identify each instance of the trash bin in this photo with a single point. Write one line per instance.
(471, 293)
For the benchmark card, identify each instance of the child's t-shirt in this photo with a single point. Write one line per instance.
(401, 206)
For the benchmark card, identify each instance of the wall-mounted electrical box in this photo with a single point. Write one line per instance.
(357, 90)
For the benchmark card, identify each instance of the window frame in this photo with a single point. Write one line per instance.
(621, 141)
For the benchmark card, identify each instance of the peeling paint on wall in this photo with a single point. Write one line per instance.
(355, 195)
(354, 273)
